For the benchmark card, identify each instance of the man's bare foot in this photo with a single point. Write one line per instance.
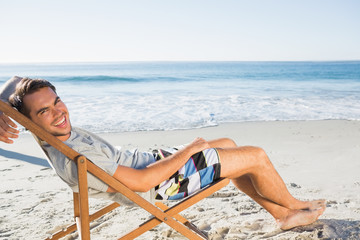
(315, 204)
(309, 205)
(297, 218)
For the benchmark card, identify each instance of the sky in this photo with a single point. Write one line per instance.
(183, 30)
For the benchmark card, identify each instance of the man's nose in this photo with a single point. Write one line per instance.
(57, 112)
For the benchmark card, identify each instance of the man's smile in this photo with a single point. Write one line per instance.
(61, 123)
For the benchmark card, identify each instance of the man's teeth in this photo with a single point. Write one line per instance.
(61, 122)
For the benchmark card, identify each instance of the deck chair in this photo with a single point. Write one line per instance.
(161, 213)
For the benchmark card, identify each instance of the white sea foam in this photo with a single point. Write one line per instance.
(132, 113)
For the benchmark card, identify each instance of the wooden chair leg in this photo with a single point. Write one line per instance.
(76, 205)
(84, 230)
(72, 228)
(178, 217)
(77, 212)
(183, 220)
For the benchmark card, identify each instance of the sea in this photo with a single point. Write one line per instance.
(146, 96)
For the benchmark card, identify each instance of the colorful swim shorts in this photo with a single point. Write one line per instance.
(200, 170)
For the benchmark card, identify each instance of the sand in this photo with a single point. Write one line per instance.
(317, 159)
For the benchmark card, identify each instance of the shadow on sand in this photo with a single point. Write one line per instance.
(324, 229)
(26, 158)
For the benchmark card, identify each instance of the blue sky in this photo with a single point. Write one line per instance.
(148, 30)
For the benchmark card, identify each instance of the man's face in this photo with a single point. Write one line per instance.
(47, 110)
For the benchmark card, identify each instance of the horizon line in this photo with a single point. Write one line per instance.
(145, 61)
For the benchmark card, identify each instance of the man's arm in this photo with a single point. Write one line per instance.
(7, 126)
(142, 180)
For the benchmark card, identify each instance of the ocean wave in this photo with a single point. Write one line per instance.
(108, 79)
(94, 79)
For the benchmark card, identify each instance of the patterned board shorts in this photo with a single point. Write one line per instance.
(200, 170)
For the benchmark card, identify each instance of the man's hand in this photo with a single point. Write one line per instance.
(7, 129)
(198, 145)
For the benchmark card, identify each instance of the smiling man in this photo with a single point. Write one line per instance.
(174, 176)
(47, 111)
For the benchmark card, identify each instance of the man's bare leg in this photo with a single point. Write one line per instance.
(295, 213)
(286, 218)
(255, 159)
(253, 162)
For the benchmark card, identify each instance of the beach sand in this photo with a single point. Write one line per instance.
(317, 159)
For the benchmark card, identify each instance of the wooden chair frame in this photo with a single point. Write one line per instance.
(161, 214)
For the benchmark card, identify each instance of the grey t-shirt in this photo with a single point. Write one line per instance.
(100, 152)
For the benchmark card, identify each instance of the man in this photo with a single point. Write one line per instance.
(248, 167)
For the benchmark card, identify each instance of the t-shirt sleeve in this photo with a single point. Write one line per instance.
(72, 178)
(101, 160)
(9, 88)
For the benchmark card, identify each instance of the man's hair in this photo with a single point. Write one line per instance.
(24, 87)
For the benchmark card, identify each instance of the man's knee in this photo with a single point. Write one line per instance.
(222, 143)
(261, 156)
(260, 151)
(256, 155)
(229, 142)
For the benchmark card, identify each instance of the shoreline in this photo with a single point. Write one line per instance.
(316, 159)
